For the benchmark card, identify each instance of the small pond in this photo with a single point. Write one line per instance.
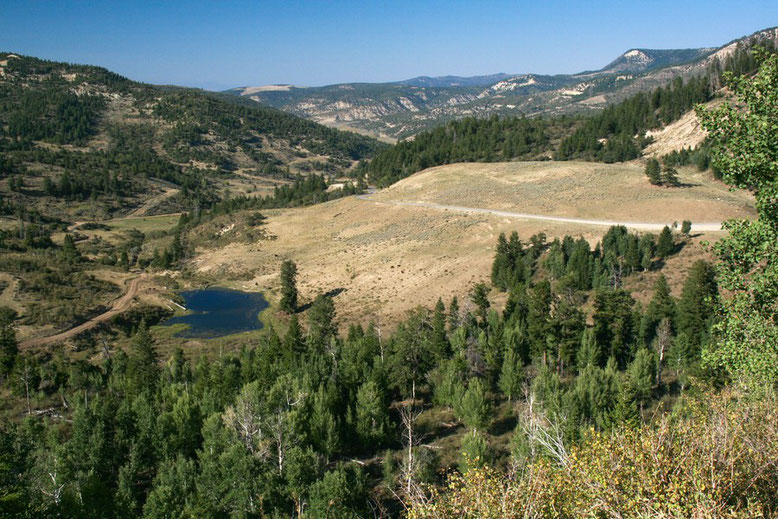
(215, 312)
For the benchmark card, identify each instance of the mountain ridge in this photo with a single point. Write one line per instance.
(403, 108)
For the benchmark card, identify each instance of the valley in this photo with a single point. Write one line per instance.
(503, 295)
(384, 258)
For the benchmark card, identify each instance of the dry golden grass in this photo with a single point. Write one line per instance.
(619, 192)
(388, 259)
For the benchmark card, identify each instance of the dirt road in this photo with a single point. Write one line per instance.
(119, 305)
(144, 209)
(645, 226)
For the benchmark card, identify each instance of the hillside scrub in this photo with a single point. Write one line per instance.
(714, 456)
(77, 133)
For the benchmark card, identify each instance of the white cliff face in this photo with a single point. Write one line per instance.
(394, 108)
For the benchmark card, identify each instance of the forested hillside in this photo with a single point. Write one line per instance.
(615, 134)
(80, 140)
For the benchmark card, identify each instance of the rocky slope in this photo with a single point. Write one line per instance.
(404, 108)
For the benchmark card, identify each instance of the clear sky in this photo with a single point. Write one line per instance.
(222, 44)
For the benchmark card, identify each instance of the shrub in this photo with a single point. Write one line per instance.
(713, 457)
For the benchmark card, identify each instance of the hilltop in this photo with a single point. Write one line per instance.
(405, 108)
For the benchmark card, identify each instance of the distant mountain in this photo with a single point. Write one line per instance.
(404, 108)
(454, 81)
(637, 61)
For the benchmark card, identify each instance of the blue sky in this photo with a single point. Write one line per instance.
(218, 45)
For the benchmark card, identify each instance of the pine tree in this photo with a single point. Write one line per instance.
(70, 253)
(341, 492)
(143, 370)
(474, 408)
(646, 246)
(453, 314)
(538, 319)
(697, 305)
(662, 306)
(294, 343)
(321, 321)
(176, 248)
(653, 171)
(288, 301)
(372, 418)
(666, 245)
(512, 375)
(475, 451)
(589, 354)
(670, 176)
(501, 262)
(614, 324)
(641, 375)
(440, 344)
(479, 297)
(686, 228)
(9, 348)
(411, 357)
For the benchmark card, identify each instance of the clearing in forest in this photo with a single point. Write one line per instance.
(386, 259)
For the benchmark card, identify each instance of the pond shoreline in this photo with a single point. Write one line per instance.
(214, 312)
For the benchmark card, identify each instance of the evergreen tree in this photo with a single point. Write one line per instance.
(342, 492)
(173, 490)
(294, 342)
(665, 245)
(288, 301)
(411, 357)
(143, 369)
(70, 253)
(569, 323)
(589, 354)
(686, 228)
(696, 307)
(614, 324)
(653, 171)
(440, 344)
(538, 319)
(177, 252)
(512, 374)
(9, 348)
(646, 246)
(670, 176)
(372, 419)
(301, 470)
(453, 314)
(321, 321)
(662, 306)
(474, 408)
(479, 297)
(475, 451)
(641, 375)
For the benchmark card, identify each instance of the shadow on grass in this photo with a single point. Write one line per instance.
(332, 293)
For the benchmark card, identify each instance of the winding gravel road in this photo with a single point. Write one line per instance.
(119, 305)
(645, 226)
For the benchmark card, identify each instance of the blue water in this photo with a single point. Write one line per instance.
(215, 312)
